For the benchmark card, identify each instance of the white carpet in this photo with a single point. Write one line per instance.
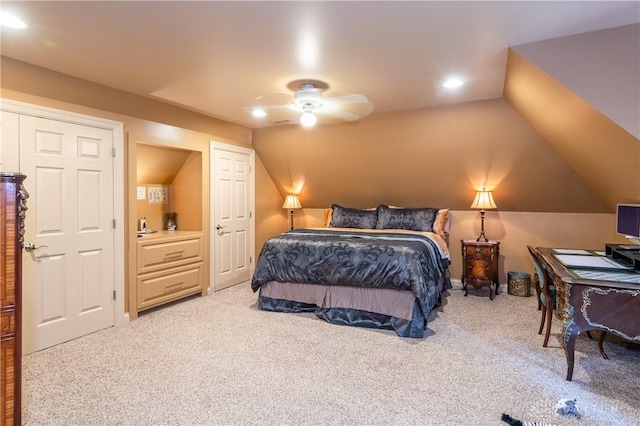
(219, 361)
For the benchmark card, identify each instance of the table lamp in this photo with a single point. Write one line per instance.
(291, 202)
(483, 200)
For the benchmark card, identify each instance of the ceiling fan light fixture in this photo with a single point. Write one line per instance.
(306, 99)
(308, 119)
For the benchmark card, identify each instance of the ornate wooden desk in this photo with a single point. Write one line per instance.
(589, 304)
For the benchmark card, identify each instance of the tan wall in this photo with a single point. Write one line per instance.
(515, 231)
(186, 200)
(602, 153)
(435, 157)
(609, 83)
(146, 122)
(270, 218)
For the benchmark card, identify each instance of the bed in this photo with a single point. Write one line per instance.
(378, 268)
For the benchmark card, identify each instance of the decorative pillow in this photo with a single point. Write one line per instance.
(441, 221)
(411, 219)
(342, 217)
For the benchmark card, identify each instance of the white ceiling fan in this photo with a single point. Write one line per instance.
(308, 101)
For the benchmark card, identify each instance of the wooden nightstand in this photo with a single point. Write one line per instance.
(480, 265)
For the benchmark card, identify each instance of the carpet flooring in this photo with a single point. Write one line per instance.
(218, 360)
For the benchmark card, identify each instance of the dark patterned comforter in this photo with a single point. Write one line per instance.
(390, 259)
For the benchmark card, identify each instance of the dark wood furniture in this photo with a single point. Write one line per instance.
(589, 304)
(480, 265)
(546, 297)
(12, 212)
(628, 255)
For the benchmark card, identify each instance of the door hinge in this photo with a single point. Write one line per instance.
(113, 224)
(250, 215)
(114, 295)
(113, 151)
(250, 259)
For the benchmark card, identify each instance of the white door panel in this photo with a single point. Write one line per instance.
(71, 208)
(232, 226)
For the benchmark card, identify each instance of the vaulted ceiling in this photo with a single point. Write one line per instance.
(538, 142)
(216, 57)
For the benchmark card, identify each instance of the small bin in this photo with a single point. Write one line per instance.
(518, 283)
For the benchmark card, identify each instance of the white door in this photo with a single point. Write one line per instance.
(232, 206)
(68, 279)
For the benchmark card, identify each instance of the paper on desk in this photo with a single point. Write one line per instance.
(578, 261)
(570, 251)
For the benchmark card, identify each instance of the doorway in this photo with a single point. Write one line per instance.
(73, 266)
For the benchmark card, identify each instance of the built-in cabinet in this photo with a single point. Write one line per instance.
(169, 267)
(169, 264)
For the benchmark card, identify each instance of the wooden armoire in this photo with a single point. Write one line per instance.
(13, 205)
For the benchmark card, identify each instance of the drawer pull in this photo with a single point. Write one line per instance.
(174, 285)
(174, 254)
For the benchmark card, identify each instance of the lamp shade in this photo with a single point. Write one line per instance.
(292, 202)
(483, 201)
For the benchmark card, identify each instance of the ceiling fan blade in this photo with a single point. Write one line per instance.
(341, 114)
(350, 99)
(251, 108)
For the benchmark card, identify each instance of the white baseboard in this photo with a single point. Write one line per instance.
(457, 284)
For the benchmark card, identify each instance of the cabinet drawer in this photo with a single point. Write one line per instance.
(484, 251)
(154, 256)
(169, 284)
(479, 269)
(7, 324)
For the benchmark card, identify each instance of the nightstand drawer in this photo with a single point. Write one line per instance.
(169, 284)
(476, 250)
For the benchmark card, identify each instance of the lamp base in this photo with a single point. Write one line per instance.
(482, 238)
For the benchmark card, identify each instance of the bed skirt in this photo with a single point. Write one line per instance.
(361, 307)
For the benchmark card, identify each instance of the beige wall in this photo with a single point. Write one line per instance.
(600, 153)
(146, 122)
(610, 84)
(436, 157)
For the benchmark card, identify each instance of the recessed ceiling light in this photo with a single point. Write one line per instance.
(259, 112)
(452, 83)
(12, 21)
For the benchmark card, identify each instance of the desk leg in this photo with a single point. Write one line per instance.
(601, 344)
(570, 336)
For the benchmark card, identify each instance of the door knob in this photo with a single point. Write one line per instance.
(218, 227)
(31, 247)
